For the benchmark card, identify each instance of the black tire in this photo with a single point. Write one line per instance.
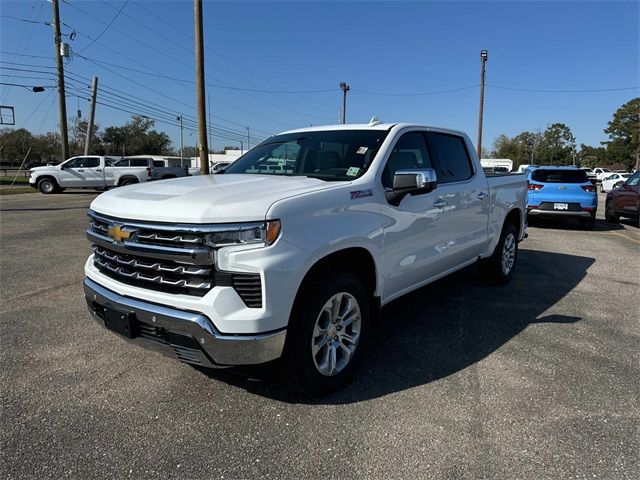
(588, 223)
(298, 358)
(601, 189)
(127, 181)
(610, 212)
(48, 185)
(492, 267)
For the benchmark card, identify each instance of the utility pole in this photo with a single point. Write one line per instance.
(179, 118)
(483, 61)
(92, 114)
(210, 123)
(200, 96)
(61, 93)
(343, 114)
(248, 140)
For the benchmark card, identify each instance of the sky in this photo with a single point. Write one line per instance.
(143, 54)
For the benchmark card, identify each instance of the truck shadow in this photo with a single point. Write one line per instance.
(442, 329)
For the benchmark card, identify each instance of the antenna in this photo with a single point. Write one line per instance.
(374, 121)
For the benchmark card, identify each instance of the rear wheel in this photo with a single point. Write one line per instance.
(328, 333)
(588, 223)
(610, 212)
(499, 267)
(127, 181)
(601, 188)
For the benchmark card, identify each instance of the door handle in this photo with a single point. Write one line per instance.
(482, 196)
(81, 170)
(98, 169)
(440, 203)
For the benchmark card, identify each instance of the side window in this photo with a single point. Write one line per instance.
(452, 160)
(634, 179)
(139, 162)
(75, 163)
(92, 162)
(410, 151)
(122, 163)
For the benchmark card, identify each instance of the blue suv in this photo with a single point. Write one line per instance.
(564, 192)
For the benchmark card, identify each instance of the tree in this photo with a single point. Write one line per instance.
(135, 138)
(558, 145)
(624, 134)
(591, 156)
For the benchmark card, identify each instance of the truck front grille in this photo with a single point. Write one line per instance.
(167, 258)
(157, 275)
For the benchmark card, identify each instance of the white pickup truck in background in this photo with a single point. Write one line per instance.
(291, 252)
(162, 167)
(88, 172)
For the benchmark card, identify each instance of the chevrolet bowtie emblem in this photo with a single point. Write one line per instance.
(117, 233)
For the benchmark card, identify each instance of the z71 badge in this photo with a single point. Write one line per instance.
(361, 193)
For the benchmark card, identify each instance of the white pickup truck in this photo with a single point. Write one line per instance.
(293, 250)
(88, 172)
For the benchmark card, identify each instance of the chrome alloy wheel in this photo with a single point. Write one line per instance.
(336, 334)
(46, 186)
(508, 253)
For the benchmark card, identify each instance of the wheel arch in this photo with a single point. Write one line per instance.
(357, 260)
(128, 177)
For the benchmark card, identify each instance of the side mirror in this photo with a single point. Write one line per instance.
(412, 182)
(421, 180)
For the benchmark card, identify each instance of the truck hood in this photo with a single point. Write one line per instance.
(205, 199)
(46, 168)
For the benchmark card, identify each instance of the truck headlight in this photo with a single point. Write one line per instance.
(264, 233)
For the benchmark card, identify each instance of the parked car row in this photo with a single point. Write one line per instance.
(567, 192)
(102, 172)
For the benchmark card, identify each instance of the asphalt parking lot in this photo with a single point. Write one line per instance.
(538, 379)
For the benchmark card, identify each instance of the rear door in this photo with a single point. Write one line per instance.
(466, 193)
(93, 172)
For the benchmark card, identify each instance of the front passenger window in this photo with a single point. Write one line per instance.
(409, 152)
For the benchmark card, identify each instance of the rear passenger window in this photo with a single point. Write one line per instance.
(139, 162)
(409, 152)
(92, 162)
(451, 158)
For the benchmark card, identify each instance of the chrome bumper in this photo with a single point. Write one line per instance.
(560, 213)
(189, 336)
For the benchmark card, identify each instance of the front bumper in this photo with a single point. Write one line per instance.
(189, 336)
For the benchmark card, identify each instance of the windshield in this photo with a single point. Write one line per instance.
(327, 155)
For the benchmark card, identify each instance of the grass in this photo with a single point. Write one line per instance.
(9, 180)
(14, 190)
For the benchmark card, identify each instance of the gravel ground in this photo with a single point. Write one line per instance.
(538, 379)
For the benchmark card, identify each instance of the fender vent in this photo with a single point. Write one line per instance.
(249, 287)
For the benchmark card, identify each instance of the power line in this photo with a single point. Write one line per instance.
(593, 90)
(44, 99)
(326, 108)
(395, 94)
(177, 60)
(107, 27)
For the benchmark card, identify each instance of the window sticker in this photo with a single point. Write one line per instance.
(362, 150)
(353, 171)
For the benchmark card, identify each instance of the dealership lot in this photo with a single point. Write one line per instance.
(464, 380)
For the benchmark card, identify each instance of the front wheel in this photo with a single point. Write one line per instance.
(328, 333)
(47, 186)
(498, 268)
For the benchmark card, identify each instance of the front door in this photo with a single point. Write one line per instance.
(629, 195)
(416, 231)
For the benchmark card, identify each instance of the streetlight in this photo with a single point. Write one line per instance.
(179, 118)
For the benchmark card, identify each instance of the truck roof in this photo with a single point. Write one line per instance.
(368, 126)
